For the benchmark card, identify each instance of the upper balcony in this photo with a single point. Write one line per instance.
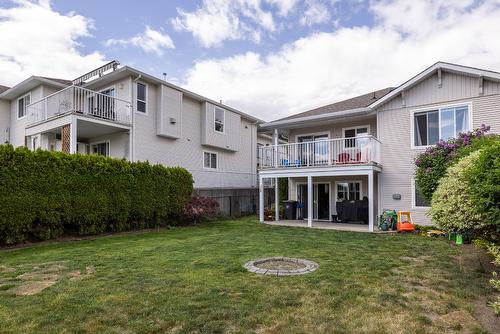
(81, 101)
(321, 153)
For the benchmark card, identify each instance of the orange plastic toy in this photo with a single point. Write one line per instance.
(405, 223)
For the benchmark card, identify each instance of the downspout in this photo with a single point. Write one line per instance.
(132, 132)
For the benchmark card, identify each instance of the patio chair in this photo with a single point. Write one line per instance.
(343, 158)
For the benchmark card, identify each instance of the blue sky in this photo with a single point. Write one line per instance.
(270, 58)
(115, 19)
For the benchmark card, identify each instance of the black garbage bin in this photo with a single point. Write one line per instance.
(290, 210)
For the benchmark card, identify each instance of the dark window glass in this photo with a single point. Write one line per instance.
(420, 129)
(141, 92)
(141, 106)
(419, 199)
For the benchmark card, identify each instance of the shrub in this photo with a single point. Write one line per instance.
(431, 164)
(47, 194)
(483, 179)
(452, 205)
(199, 209)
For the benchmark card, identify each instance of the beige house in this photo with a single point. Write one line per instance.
(350, 160)
(122, 112)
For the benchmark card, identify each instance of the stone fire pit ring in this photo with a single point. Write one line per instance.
(281, 266)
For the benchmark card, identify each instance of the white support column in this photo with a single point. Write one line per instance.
(73, 136)
(371, 196)
(275, 145)
(276, 199)
(309, 201)
(261, 199)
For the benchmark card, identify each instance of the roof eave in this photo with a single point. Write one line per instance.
(315, 118)
(14, 91)
(428, 72)
(183, 90)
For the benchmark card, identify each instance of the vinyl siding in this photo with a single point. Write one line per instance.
(395, 132)
(234, 169)
(4, 120)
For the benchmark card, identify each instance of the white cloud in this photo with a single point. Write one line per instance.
(326, 67)
(285, 7)
(316, 12)
(151, 41)
(37, 40)
(219, 20)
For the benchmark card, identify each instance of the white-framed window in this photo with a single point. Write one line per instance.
(417, 200)
(142, 95)
(219, 118)
(348, 191)
(350, 135)
(22, 103)
(101, 148)
(210, 160)
(429, 126)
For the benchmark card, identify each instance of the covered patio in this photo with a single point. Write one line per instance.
(312, 177)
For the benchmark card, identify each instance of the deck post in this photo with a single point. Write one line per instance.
(73, 136)
(371, 196)
(276, 200)
(275, 145)
(309, 201)
(261, 199)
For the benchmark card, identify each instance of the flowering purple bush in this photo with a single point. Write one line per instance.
(199, 209)
(431, 164)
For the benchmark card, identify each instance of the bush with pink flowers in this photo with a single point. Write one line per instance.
(431, 165)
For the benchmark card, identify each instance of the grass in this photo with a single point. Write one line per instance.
(191, 279)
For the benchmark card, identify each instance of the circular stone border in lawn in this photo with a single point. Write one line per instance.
(270, 266)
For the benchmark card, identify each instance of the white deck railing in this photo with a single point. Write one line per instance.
(83, 101)
(327, 152)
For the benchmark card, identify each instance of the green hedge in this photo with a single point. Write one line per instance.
(45, 194)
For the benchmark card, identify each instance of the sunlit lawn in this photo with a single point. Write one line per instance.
(191, 279)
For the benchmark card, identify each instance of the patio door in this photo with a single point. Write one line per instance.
(315, 153)
(321, 200)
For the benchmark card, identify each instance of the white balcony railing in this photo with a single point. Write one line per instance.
(83, 101)
(327, 152)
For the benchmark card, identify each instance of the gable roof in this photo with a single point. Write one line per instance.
(3, 89)
(449, 67)
(361, 101)
(31, 83)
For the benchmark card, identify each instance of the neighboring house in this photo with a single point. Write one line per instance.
(4, 117)
(365, 146)
(121, 112)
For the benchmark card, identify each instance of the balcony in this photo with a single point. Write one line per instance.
(81, 101)
(321, 153)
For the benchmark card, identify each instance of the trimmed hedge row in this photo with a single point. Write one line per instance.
(44, 194)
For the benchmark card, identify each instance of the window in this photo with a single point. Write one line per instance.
(209, 160)
(353, 133)
(445, 123)
(219, 120)
(419, 201)
(22, 103)
(348, 191)
(141, 97)
(100, 149)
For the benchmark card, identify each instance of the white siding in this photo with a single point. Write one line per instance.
(4, 121)
(395, 132)
(236, 169)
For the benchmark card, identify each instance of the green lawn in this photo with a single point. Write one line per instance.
(191, 279)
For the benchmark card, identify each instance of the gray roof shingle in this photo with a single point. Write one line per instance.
(361, 101)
